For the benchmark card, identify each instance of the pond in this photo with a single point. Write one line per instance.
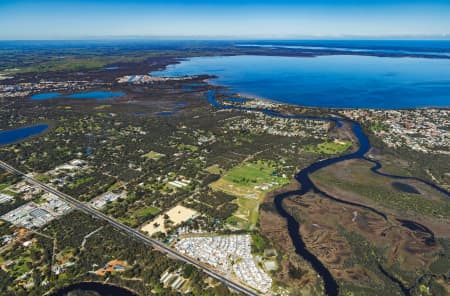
(18, 134)
(94, 289)
(405, 188)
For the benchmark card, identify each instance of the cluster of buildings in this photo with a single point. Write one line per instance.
(287, 127)
(106, 198)
(231, 253)
(27, 88)
(206, 140)
(203, 137)
(142, 79)
(180, 182)
(253, 102)
(63, 174)
(173, 180)
(26, 190)
(35, 215)
(112, 266)
(26, 280)
(425, 130)
(173, 280)
(4, 198)
(7, 238)
(267, 186)
(5, 77)
(58, 269)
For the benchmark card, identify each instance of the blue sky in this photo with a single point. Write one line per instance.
(224, 19)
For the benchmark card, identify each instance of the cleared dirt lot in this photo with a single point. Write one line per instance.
(177, 215)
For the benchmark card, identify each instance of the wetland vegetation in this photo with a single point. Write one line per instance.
(228, 165)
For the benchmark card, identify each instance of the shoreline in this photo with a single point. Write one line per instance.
(50, 125)
(74, 286)
(210, 81)
(280, 103)
(306, 185)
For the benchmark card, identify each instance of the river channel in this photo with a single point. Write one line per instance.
(331, 286)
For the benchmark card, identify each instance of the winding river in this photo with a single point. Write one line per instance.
(331, 286)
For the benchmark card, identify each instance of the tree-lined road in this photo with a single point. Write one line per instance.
(132, 232)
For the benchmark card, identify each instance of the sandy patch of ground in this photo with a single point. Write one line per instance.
(177, 215)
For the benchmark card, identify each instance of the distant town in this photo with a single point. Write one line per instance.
(162, 185)
(425, 130)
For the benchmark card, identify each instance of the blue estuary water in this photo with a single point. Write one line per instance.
(307, 185)
(93, 95)
(93, 288)
(18, 134)
(335, 81)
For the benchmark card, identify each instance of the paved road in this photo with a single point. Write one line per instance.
(132, 232)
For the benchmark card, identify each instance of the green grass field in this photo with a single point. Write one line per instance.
(187, 147)
(249, 182)
(147, 211)
(139, 216)
(154, 155)
(4, 185)
(80, 182)
(330, 148)
(255, 174)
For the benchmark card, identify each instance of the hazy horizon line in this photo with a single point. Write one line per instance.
(405, 37)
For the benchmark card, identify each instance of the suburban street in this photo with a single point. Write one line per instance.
(132, 232)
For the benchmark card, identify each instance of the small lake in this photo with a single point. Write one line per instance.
(405, 188)
(92, 95)
(93, 288)
(18, 134)
(335, 81)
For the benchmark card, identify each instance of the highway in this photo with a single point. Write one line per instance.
(132, 232)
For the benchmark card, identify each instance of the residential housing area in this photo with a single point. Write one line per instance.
(27, 89)
(174, 185)
(425, 129)
(230, 254)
